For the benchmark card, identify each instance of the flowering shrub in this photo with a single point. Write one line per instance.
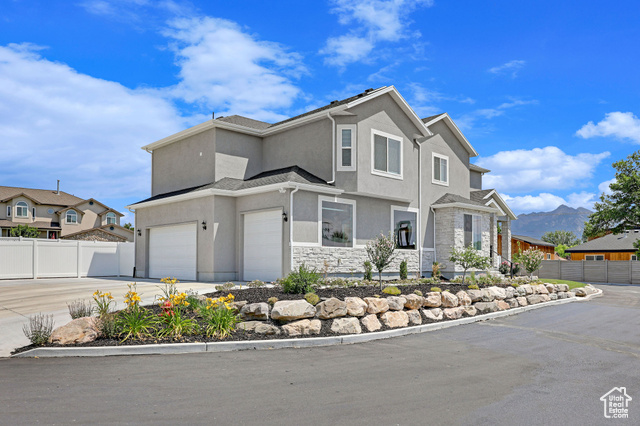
(103, 302)
(504, 268)
(220, 316)
(531, 259)
(132, 298)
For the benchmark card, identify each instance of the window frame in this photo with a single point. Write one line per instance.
(22, 206)
(634, 257)
(388, 136)
(340, 148)
(595, 257)
(113, 215)
(417, 230)
(435, 155)
(66, 217)
(33, 213)
(8, 211)
(321, 199)
(473, 223)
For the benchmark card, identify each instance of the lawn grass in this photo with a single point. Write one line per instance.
(571, 284)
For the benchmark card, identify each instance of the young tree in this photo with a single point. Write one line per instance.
(531, 259)
(557, 238)
(128, 225)
(381, 253)
(468, 258)
(24, 231)
(560, 251)
(619, 210)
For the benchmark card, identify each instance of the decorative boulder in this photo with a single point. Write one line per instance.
(470, 311)
(248, 325)
(432, 300)
(434, 314)
(453, 313)
(509, 292)
(414, 317)
(376, 306)
(394, 319)
(449, 300)
(347, 325)
(302, 328)
(268, 329)
(528, 289)
(235, 305)
(545, 297)
(80, 330)
(487, 296)
(413, 301)
(553, 296)
(475, 295)
(541, 289)
(513, 303)
(371, 323)
(522, 301)
(486, 307)
(521, 291)
(534, 299)
(331, 308)
(396, 303)
(550, 288)
(356, 307)
(255, 311)
(290, 310)
(463, 298)
(498, 293)
(562, 287)
(502, 305)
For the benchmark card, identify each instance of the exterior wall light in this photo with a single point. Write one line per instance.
(204, 225)
(284, 216)
(139, 233)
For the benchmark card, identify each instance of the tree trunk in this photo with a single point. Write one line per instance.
(380, 278)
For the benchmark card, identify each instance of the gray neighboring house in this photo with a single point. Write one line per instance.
(240, 199)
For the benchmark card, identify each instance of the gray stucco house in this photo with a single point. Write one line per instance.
(238, 199)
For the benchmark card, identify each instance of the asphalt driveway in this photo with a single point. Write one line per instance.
(21, 298)
(544, 367)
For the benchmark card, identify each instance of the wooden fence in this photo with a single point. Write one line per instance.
(603, 271)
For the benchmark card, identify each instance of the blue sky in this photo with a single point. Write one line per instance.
(547, 92)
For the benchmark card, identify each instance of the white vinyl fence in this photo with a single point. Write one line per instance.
(596, 271)
(38, 258)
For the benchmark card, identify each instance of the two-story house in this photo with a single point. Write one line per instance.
(57, 214)
(239, 199)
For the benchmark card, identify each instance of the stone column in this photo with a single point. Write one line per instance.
(506, 239)
(494, 241)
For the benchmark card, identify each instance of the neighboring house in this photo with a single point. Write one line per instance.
(522, 243)
(57, 214)
(609, 247)
(239, 199)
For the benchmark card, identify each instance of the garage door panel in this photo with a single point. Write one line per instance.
(173, 251)
(263, 246)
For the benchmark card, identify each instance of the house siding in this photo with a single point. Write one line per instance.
(237, 155)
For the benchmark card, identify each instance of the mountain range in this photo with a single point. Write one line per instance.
(564, 218)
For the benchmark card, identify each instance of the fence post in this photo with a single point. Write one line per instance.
(606, 271)
(630, 271)
(78, 259)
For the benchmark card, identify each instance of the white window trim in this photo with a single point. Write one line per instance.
(25, 206)
(107, 218)
(352, 167)
(473, 216)
(433, 172)
(322, 198)
(66, 218)
(388, 136)
(411, 210)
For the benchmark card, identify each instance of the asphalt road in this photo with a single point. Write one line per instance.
(546, 367)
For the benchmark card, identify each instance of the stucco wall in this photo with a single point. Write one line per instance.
(189, 162)
(224, 239)
(237, 155)
(476, 179)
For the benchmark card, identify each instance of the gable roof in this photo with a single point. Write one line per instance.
(458, 201)
(272, 180)
(429, 121)
(478, 168)
(40, 196)
(491, 196)
(258, 128)
(610, 242)
(532, 241)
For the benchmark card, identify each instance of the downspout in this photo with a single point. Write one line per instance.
(420, 250)
(333, 148)
(434, 235)
(135, 241)
(291, 227)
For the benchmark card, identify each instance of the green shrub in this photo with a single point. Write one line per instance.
(39, 328)
(473, 287)
(225, 287)
(312, 298)
(368, 271)
(515, 285)
(436, 289)
(108, 327)
(301, 281)
(136, 322)
(255, 284)
(272, 300)
(220, 321)
(392, 290)
(176, 325)
(404, 273)
(430, 280)
(79, 309)
(418, 292)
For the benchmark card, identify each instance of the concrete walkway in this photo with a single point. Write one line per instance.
(21, 298)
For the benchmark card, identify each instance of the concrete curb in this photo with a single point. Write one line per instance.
(181, 348)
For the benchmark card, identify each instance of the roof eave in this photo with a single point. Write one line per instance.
(466, 206)
(456, 131)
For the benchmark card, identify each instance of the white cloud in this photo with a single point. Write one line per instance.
(546, 202)
(604, 186)
(426, 101)
(547, 168)
(60, 124)
(622, 125)
(468, 121)
(372, 21)
(226, 69)
(511, 67)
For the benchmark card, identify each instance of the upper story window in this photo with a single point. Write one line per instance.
(440, 169)
(8, 211)
(33, 212)
(404, 223)
(22, 210)
(346, 147)
(386, 155)
(473, 231)
(111, 218)
(337, 222)
(72, 216)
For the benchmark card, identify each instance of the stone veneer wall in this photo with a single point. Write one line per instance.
(349, 260)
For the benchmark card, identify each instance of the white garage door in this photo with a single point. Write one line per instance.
(263, 246)
(172, 252)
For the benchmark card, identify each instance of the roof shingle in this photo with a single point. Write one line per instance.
(42, 196)
(610, 242)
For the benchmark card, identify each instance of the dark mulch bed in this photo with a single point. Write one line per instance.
(256, 295)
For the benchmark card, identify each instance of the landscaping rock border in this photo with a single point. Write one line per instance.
(346, 323)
